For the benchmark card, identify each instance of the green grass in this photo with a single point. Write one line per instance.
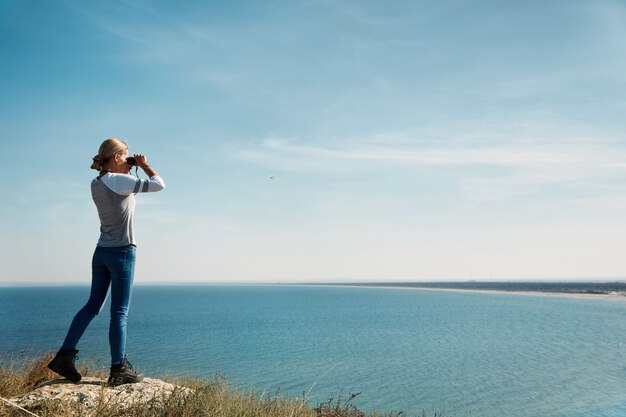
(209, 397)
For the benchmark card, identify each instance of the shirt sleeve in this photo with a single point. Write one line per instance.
(125, 184)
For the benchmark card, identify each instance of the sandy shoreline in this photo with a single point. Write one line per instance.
(615, 297)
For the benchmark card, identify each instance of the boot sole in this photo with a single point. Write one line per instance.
(57, 371)
(118, 383)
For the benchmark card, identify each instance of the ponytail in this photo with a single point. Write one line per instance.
(97, 163)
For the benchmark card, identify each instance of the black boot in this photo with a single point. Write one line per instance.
(124, 374)
(64, 364)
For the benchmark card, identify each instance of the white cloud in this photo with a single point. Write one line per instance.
(533, 155)
(602, 202)
(483, 172)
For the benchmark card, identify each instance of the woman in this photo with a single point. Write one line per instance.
(113, 263)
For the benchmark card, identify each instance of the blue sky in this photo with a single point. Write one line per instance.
(413, 140)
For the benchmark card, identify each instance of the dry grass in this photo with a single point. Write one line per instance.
(209, 397)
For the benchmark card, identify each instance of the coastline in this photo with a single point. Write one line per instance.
(613, 297)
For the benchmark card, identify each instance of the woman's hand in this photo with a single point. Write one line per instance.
(142, 160)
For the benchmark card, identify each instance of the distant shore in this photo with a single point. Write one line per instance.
(571, 294)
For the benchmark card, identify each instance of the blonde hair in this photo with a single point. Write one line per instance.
(108, 150)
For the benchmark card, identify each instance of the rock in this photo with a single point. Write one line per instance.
(91, 393)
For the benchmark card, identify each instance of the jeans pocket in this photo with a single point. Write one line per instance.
(129, 258)
(122, 258)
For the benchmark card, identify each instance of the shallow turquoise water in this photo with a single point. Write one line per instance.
(461, 353)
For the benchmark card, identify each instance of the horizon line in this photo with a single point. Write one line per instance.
(325, 282)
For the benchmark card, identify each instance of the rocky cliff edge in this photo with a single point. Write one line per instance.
(90, 395)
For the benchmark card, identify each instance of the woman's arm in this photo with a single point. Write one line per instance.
(156, 182)
(142, 162)
(125, 184)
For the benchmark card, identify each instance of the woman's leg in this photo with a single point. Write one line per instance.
(100, 280)
(122, 274)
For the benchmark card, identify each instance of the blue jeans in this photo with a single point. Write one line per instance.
(113, 267)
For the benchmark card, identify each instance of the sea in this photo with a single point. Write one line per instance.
(444, 352)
